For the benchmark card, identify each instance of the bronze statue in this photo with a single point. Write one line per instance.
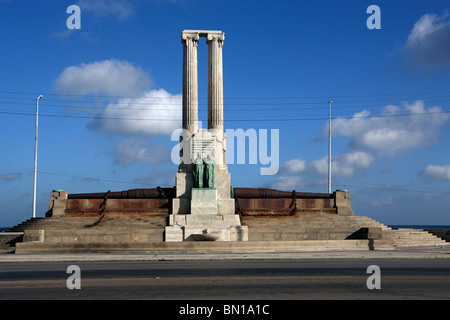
(197, 171)
(209, 173)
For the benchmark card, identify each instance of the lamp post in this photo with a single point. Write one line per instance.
(35, 157)
(329, 147)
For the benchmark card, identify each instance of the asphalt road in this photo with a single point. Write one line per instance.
(257, 280)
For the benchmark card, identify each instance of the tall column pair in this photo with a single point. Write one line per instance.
(214, 39)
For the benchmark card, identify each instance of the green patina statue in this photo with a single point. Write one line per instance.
(203, 172)
(209, 173)
(197, 172)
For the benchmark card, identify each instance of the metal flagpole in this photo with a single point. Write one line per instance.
(35, 157)
(329, 147)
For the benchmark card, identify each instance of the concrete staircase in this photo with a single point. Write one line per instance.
(305, 227)
(331, 227)
(149, 229)
(110, 228)
(412, 237)
(42, 223)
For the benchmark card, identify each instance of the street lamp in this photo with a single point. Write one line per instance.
(35, 157)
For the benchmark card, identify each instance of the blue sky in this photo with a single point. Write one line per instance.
(106, 83)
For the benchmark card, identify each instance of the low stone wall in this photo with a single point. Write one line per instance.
(93, 207)
(337, 203)
(60, 204)
(207, 246)
(54, 236)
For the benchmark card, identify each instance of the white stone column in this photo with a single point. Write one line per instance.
(215, 90)
(190, 81)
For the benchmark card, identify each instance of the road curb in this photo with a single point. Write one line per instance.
(398, 253)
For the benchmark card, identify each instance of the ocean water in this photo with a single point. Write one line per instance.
(431, 227)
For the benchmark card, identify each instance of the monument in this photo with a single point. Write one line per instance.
(203, 208)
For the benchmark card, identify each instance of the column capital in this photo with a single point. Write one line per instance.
(215, 36)
(192, 36)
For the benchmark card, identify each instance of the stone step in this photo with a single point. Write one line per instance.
(315, 227)
(417, 244)
(297, 236)
(8, 240)
(124, 212)
(151, 228)
(83, 236)
(106, 221)
(205, 246)
(40, 222)
(412, 237)
(416, 234)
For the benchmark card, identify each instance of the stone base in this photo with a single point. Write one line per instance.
(206, 233)
(226, 206)
(181, 206)
(173, 234)
(217, 220)
(212, 227)
(57, 203)
(204, 201)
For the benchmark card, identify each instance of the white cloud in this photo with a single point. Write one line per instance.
(292, 182)
(135, 150)
(121, 9)
(342, 165)
(437, 172)
(346, 165)
(155, 112)
(111, 77)
(391, 134)
(297, 173)
(140, 112)
(294, 166)
(429, 40)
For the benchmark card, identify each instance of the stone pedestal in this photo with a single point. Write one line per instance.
(57, 203)
(204, 201)
(205, 227)
(343, 203)
(210, 219)
(204, 214)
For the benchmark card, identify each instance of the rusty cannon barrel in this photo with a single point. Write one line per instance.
(257, 193)
(149, 193)
(161, 193)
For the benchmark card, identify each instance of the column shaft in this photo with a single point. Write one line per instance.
(215, 83)
(190, 82)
